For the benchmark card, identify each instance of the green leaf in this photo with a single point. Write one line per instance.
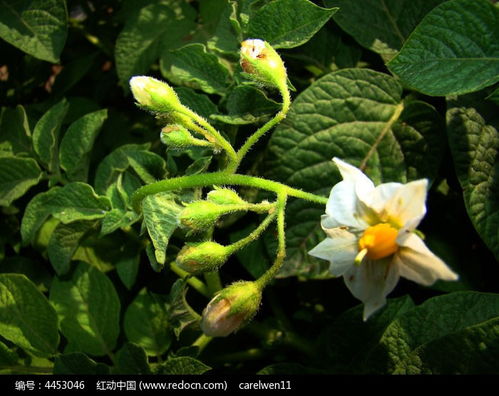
(222, 34)
(184, 365)
(359, 116)
(474, 143)
(446, 320)
(381, 25)
(37, 27)
(200, 103)
(46, 135)
(288, 23)
(454, 50)
(89, 310)
(15, 138)
(150, 167)
(131, 359)
(75, 201)
(147, 165)
(26, 317)
(191, 65)
(17, 176)
(199, 165)
(473, 350)
(116, 219)
(146, 323)
(147, 34)
(104, 252)
(128, 266)
(76, 145)
(349, 340)
(247, 105)
(180, 314)
(160, 217)
(64, 242)
(78, 363)
(325, 52)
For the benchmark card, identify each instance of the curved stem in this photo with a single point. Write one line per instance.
(281, 249)
(220, 178)
(286, 101)
(254, 235)
(194, 282)
(222, 142)
(202, 342)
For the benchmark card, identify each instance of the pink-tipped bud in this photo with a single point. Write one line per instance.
(262, 63)
(231, 308)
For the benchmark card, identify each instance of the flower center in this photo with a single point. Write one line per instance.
(379, 241)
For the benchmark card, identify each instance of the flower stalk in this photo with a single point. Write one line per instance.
(220, 178)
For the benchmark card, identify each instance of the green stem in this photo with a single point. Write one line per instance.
(219, 178)
(194, 282)
(254, 235)
(286, 101)
(222, 142)
(281, 249)
(213, 281)
(202, 342)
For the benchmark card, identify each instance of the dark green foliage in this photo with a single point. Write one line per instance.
(89, 283)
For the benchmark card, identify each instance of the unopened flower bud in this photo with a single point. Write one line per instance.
(225, 196)
(201, 215)
(154, 95)
(202, 257)
(262, 63)
(231, 308)
(176, 136)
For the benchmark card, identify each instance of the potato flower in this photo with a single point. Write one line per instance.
(371, 239)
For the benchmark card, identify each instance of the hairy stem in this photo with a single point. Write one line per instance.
(194, 282)
(254, 235)
(220, 178)
(281, 238)
(219, 139)
(286, 101)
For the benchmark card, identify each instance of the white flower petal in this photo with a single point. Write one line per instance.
(343, 207)
(363, 185)
(417, 263)
(328, 222)
(381, 194)
(371, 282)
(407, 204)
(340, 250)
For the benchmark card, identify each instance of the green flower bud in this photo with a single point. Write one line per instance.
(263, 63)
(225, 196)
(154, 95)
(176, 136)
(231, 308)
(201, 215)
(202, 257)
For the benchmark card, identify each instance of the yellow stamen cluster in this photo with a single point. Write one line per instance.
(378, 241)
